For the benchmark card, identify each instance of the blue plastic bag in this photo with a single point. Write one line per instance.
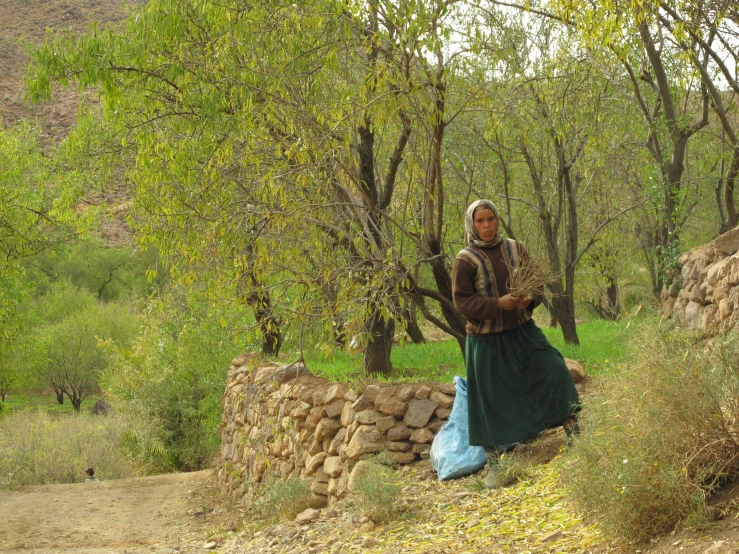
(451, 453)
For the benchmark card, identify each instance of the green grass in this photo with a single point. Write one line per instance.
(47, 403)
(603, 345)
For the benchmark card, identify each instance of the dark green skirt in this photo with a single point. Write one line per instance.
(517, 385)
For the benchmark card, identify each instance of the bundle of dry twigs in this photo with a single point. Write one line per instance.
(529, 277)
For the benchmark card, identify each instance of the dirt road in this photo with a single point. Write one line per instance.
(165, 513)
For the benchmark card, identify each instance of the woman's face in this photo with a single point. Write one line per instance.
(486, 224)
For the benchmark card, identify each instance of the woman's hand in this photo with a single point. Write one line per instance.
(524, 301)
(509, 302)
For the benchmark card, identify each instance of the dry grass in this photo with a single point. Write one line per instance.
(661, 436)
(529, 277)
(37, 448)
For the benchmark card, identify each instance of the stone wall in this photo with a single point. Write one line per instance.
(707, 295)
(286, 422)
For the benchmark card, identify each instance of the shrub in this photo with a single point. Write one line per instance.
(660, 436)
(283, 500)
(37, 449)
(169, 384)
(376, 492)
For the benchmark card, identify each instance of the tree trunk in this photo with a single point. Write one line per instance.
(377, 351)
(412, 328)
(268, 323)
(564, 308)
(443, 280)
(613, 308)
(59, 396)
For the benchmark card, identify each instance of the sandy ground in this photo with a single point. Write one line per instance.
(165, 513)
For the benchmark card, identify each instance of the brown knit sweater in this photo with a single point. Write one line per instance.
(479, 278)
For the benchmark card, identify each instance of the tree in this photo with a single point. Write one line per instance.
(75, 362)
(249, 147)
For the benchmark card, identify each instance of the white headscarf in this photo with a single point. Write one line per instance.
(469, 224)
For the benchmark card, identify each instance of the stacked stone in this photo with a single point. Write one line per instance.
(287, 422)
(709, 296)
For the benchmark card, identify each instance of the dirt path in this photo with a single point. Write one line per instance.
(165, 513)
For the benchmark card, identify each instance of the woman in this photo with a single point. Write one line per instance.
(517, 383)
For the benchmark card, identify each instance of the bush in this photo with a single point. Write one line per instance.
(37, 449)
(660, 436)
(170, 383)
(376, 492)
(283, 500)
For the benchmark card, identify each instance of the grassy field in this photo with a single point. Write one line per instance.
(47, 403)
(603, 345)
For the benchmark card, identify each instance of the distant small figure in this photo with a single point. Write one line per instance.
(101, 407)
(90, 474)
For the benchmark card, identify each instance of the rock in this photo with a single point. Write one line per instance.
(443, 400)
(434, 426)
(442, 413)
(101, 407)
(327, 427)
(318, 488)
(370, 393)
(351, 395)
(406, 393)
(366, 440)
(576, 370)
(347, 414)
(337, 441)
(367, 417)
(210, 545)
(399, 457)
(335, 408)
(733, 278)
(447, 388)
(423, 450)
(290, 372)
(400, 446)
(398, 433)
(335, 392)
(385, 423)
(362, 403)
(419, 412)
(667, 307)
(710, 317)
(307, 516)
(423, 392)
(421, 436)
(551, 537)
(385, 393)
(392, 406)
(725, 308)
(359, 471)
(333, 466)
(318, 501)
(314, 462)
(693, 314)
(726, 244)
(321, 475)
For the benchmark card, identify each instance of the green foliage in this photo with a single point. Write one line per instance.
(37, 448)
(75, 361)
(283, 500)
(108, 272)
(33, 210)
(376, 491)
(170, 382)
(659, 436)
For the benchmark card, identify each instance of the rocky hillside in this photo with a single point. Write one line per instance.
(24, 26)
